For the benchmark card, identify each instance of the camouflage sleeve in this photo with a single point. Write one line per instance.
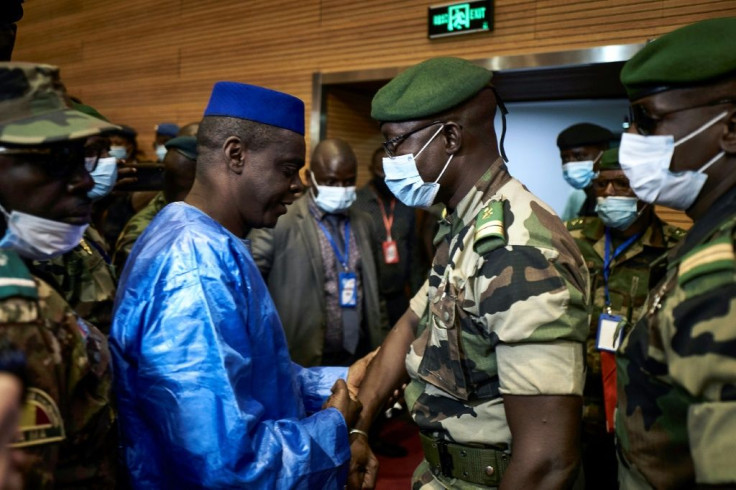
(124, 245)
(537, 316)
(699, 340)
(418, 303)
(261, 248)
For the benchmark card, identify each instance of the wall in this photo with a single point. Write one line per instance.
(141, 62)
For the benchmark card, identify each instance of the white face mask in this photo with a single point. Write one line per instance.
(333, 199)
(160, 152)
(646, 162)
(403, 179)
(119, 152)
(105, 174)
(39, 238)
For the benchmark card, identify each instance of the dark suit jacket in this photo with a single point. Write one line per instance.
(291, 263)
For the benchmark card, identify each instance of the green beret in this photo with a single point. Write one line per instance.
(431, 87)
(186, 145)
(89, 110)
(609, 160)
(584, 134)
(686, 57)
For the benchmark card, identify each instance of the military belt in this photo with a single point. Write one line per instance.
(479, 465)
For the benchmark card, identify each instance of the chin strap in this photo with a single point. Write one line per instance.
(504, 111)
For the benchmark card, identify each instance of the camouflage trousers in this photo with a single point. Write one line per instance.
(424, 479)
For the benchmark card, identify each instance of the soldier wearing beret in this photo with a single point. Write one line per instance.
(492, 343)
(67, 427)
(179, 167)
(676, 368)
(621, 247)
(581, 145)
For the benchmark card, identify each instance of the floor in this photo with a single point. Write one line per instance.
(395, 473)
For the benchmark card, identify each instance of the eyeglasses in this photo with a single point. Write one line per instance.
(59, 162)
(390, 145)
(646, 123)
(620, 184)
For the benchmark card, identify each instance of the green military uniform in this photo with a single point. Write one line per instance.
(628, 288)
(134, 228)
(676, 368)
(504, 312)
(67, 425)
(85, 278)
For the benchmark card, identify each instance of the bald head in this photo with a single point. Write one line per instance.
(334, 164)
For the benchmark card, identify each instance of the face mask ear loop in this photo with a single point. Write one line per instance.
(443, 170)
(504, 111)
(702, 128)
(430, 140)
(711, 162)
(316, 185)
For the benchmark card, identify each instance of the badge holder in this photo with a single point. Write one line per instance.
(610, 332)
(390, 251)
(348, 289)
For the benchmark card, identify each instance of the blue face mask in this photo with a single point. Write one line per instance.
(404, 181)
(617, 211)
(333, 199)
(160, 152)
(119, 152)
(105, 174)
(578, 174)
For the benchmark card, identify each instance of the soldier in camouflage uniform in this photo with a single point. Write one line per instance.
(179, 166)
(495, 337)
(676, 368)
(620, 247)
(67, 427)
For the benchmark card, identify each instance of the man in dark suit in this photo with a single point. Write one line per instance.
(319, 265)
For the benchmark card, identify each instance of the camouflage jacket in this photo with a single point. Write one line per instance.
(628, 288)
(134, 228)
(67, 425)
(504, 311)
(676, 414)
(85, 279)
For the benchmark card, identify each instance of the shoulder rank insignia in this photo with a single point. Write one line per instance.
(490, 233)
(15, 279)
(40, 420)
(712, 257)
(575, 224)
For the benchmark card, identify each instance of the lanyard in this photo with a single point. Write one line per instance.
(343, 259)
(608, 259)
(388, 220)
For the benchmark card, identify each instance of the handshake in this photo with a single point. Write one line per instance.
(363, 463)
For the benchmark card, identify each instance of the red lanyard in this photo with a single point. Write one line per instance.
(388, 220)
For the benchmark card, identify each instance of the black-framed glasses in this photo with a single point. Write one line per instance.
(646, 123)
(620, 184)
(60, 161)
(390, 145)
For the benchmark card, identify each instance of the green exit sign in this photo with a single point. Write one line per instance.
(450, 19)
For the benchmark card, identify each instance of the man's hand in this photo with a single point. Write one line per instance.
(357, 371)
(363, 464)
(340, 399)
(126, 175)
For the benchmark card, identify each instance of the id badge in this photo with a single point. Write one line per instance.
(390, 252)
(609, 333)
(348, 290)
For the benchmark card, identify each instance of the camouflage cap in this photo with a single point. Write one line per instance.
(692, 55)
(35, 108)
(431, 87)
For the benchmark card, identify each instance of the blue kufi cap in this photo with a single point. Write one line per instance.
(167, 129)
(232, 99)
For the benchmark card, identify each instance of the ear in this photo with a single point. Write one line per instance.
(453, 134)
(728, 139)
(234, 151)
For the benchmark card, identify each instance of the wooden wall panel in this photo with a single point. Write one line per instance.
(141, 63)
